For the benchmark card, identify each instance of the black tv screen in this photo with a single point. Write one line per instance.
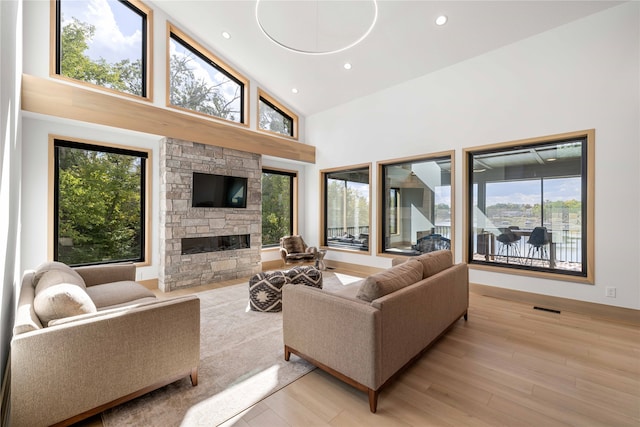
(218, 191)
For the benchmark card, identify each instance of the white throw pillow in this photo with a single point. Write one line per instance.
(60, 294)
(43, 268)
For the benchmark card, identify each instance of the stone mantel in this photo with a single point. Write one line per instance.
(178, 219)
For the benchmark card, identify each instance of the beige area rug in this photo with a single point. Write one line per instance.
(241, 363)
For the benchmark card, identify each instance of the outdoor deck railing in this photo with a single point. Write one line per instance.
(568, 245)
(341, 231)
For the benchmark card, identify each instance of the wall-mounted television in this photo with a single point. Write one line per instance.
(218, 191)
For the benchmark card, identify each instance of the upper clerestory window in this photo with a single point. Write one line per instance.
(103, 43)
(200, 82)
(274, 117)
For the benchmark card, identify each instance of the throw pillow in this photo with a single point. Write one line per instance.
(57, 266)
(58, 295)
(435, 262)
(388, 281)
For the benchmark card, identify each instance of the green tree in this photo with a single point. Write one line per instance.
(99, 206)
(276, 207)
(186, 91)
(346, 207)
(124, 76)
(271, 119)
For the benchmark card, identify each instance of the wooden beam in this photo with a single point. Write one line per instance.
(59, 99)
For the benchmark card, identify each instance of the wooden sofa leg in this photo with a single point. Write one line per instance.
(287, 353)
(466, 316)
(194, 377)
(373, 400)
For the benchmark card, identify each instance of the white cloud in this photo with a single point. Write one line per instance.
(109, 41)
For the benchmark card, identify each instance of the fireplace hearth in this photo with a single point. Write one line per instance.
(198, 245)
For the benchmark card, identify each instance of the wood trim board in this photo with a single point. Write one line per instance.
(60, 99)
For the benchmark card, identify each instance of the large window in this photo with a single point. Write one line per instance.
(346, 213)
(274, 117)
(99, 203)
(416, 204)
(201, 82)
(104, 43)
(278, 205)
(530, 205)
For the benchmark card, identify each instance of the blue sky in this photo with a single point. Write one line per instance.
(528, 192)
(118, 32)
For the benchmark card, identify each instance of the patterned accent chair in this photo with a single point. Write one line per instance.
(294, 249)
(265, 289)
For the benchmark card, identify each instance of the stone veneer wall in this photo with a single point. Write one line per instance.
(178, 160)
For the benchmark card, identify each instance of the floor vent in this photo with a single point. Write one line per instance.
(550, 310)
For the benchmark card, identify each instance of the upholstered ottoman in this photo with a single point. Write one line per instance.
(305, 275)
(265, 289)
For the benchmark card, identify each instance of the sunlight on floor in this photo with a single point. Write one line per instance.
(252, 389)
(345, 279)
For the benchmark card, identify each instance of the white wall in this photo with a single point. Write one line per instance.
(582, 75)
(10, 163)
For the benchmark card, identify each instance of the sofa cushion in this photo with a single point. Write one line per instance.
(435, 262)
(107, 273)
(397, 277)
(60, 294)
(57, 266)
(118, 293)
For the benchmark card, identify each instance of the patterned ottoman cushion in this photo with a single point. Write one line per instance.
(305, 275)
(265, 291)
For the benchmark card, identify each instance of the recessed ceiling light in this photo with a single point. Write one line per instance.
(441, 20)
(294, 90)
(347, 66)
(226, 35)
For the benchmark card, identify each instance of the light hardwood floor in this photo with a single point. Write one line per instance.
(507, 365)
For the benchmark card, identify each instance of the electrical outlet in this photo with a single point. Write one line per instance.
(610, 292)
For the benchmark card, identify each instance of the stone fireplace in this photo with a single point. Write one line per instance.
(206, 245)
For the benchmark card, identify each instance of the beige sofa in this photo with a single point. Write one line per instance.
(367, 333)
(89, 338)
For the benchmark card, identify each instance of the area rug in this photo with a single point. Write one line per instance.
(241, 363)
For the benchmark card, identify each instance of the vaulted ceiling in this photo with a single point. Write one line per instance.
(404, 44)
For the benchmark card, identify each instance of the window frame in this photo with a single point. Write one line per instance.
(217, 63)
(323, 207)
(394, 229)
(588, 193)
(381, 250)
(145, 216)
(147, 50)
(276, 105)
(294, 200)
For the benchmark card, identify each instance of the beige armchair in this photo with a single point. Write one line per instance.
(294, 249)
